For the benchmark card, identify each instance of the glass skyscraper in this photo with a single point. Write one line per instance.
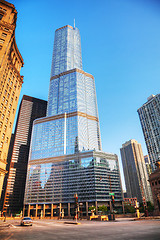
(65, 154)
(149, 115)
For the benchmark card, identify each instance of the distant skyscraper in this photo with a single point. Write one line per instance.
(149, 115)
(30, 109)
(148, 164)
(65, 154)
(10, 80)
(135, 173)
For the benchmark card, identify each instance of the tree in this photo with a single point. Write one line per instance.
(92, 208)
(102, 209)
(150, 207)
(129, 208)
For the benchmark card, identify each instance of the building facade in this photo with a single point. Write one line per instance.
(30, 109)
(148, 164)
(154, 180)
(68, 158)
(149, 115)
(135, 172)
(10, 80)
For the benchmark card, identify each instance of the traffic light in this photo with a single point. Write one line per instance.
(76, 202)
(113, 201)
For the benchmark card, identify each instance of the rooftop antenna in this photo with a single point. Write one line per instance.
(74, 23)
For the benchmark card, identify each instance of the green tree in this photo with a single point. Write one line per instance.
(103, 209)
(150, 207)
(129, 208)
(92, 208)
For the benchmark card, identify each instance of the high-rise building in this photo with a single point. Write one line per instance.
(10, 80)
(30, 109)
(135, 172)
(148, 164)
(149, 115)
(65, 154)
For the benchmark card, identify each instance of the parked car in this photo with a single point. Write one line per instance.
(26, 221)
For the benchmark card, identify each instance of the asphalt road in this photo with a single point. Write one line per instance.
(53, 229)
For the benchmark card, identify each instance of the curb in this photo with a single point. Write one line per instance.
(72, 223)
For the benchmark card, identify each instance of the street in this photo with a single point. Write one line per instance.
(53, 229)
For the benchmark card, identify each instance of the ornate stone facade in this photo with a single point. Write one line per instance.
(10, 80)
(154, 180)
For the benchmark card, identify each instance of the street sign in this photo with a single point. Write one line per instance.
(111, 193)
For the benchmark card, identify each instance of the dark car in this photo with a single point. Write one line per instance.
(26, 221)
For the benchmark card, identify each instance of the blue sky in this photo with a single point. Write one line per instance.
(120, 48)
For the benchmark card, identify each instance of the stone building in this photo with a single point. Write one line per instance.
(154, 180)
(10, 80)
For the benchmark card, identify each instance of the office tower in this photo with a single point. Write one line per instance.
(149, 115)
(135, 172)
(10, 80)
(65, 153)
(148, 164)
(30, 109)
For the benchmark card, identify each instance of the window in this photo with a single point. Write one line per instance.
(8, 113)
(1, 41)
(1, 144)
(1, 16)
(4, 35)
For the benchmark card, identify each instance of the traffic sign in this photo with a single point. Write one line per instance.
(111, 193)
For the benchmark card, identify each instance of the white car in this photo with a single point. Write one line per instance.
(26, 221)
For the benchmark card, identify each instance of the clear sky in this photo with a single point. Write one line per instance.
(120, 47)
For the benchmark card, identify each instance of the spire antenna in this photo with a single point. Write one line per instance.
(74, 23)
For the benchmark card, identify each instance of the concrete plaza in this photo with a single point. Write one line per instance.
(47, 229)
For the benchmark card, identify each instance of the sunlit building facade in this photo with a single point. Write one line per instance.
(10, 80)
(14, 184)
(65, 154)
(149, 115)
(135, 172)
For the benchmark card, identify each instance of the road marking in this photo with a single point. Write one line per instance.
(13, 226)
(40, 224)
(9, 236)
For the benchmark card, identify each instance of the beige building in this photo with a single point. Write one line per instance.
(135, 172)
(10, 80)
(154, 179)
